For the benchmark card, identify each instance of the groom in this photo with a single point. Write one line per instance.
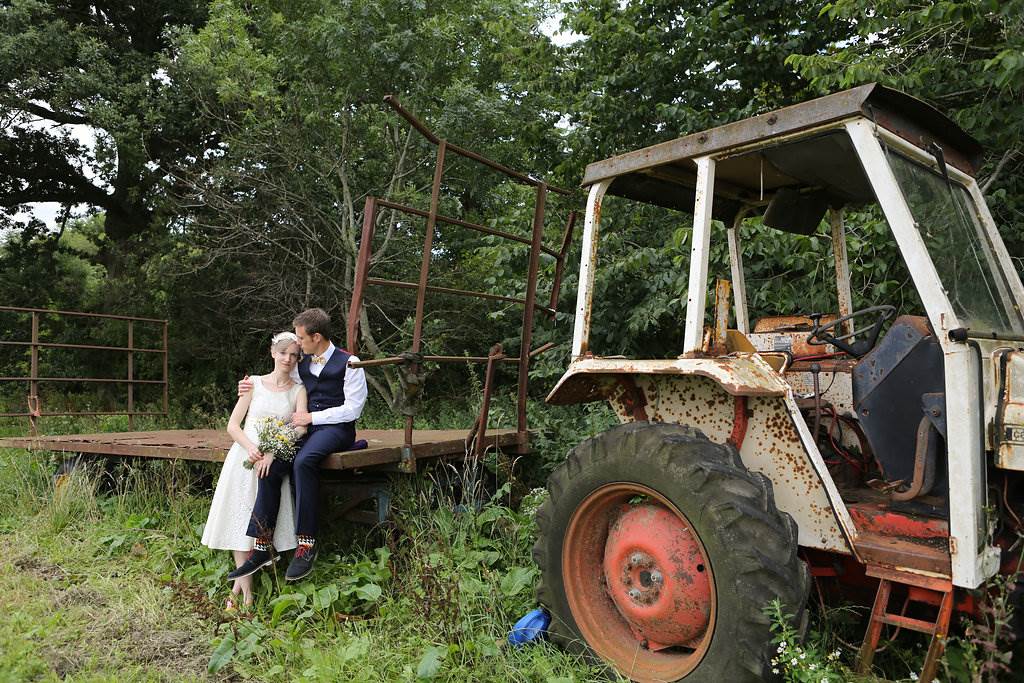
(335, 395)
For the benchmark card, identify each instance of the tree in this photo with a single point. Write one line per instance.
(294, 92)
(95, 64)
(964, 57)
(645, 72)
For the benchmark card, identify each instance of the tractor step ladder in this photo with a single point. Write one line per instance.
(921, 589)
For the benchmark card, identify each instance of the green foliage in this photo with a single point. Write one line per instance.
(985, 652)
(647, 72)
(462, 578)
(62, 66)
(966, 58)
(803, 660)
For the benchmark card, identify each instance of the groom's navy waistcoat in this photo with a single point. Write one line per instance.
(327, 390)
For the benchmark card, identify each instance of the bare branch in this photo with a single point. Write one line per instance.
(1009, 154)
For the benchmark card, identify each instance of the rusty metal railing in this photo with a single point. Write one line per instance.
(528, 302)
(35, 409)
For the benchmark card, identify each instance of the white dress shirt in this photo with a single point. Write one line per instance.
(355, 392)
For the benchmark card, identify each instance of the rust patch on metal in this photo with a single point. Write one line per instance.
(788, 333)
(739, 424)
(774, 448)
(739, 375)
(632, 399)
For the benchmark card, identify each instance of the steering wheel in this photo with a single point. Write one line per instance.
(824, 334)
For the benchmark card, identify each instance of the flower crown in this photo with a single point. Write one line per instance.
(284, 337)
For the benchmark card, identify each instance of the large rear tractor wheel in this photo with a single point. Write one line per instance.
(659, 552)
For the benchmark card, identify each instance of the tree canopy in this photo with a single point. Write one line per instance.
(235, 144)
(98, 65)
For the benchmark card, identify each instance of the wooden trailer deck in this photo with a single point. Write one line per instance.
(385, 446)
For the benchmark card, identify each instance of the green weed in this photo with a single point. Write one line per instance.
(985, 651)
(812, 659)
(111, 571)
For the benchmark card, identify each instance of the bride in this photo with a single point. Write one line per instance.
(275, 395)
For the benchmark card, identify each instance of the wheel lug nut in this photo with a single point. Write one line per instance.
(634, 593)
(656, 576)
(635, 559)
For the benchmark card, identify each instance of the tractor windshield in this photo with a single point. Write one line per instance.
(960, 248)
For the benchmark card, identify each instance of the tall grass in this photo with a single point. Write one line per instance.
(432, 594)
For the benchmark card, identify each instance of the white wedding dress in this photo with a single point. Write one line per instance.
(235, 495)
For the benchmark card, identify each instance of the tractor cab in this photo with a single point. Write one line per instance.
(885, 430)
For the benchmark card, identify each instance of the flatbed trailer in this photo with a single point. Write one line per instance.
(383, 453)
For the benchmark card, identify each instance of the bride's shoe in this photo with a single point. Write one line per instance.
(258, 559)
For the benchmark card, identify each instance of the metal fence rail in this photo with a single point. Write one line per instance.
(33, 379)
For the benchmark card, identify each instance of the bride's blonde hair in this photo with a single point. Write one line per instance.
(288, 338)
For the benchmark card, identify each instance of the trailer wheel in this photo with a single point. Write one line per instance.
(658, 553)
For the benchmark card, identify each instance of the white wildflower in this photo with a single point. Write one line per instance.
(775, 671)
(812, 666)
(793, 661)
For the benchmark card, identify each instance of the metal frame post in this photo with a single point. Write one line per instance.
(972, 560)
(408, 463)
(33, 399)
(479, 438)
(362, 268)
(131, 375)
(739, 283)
(556, 285)
(696, 299)
(531, 294)
(844, 295)
(588, 262)
(166, 380)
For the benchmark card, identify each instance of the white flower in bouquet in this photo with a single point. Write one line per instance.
(276, 438)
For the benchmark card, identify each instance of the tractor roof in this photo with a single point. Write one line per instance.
(665, 174)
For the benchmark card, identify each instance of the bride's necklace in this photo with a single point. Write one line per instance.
(285, 385)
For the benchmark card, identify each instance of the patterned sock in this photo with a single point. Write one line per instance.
(308, 541)
(262, 543)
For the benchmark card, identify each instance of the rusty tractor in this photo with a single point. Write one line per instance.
(870, 447)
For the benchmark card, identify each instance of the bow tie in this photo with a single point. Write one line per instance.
(319, 360)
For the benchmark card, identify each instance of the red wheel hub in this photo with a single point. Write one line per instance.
(638, 582)
(657, 576)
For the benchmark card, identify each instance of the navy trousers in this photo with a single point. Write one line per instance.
(321, 441)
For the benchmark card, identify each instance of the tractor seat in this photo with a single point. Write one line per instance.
(895, 384)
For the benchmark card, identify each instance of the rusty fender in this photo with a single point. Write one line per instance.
(738, 400)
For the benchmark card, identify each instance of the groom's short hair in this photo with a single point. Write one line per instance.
(313, 321)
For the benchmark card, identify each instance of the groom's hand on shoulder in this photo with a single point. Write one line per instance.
(302, 419)
(244, 386)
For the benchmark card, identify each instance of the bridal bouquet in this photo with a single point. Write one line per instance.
(276, 438)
